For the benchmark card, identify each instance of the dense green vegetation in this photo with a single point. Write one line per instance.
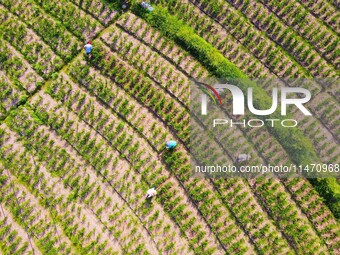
(293, 140)
(82, 137)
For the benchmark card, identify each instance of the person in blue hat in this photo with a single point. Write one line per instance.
(170, 144)
(147, 6)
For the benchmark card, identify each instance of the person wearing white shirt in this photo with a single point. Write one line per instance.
(151, 192)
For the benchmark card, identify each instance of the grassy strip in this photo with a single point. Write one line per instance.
(299, 147)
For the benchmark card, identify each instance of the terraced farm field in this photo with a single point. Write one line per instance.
(82, 138)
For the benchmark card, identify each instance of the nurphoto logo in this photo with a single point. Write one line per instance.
(281, 98)
(239, 105)
(231, 119)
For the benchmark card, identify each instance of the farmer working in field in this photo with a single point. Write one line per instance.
(243, 157)
(88, 49)
(151, 192)
(170, 144)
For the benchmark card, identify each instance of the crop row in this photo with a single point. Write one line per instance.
(262, 146)
(142, 57)
(284, 35)
(324, 117)
(278, 150)
(324, 11)
(256, 57)
(17, 69)
(318, 213)
(155, 40)
(122, 144)
(163, 46)
(59, 39)
(10, 95)
(117, 177)
(216, 34)
(326, 107)
(296, 16)
(123, 104)
(13, 239)
(74, 19)
(127, 21)
(32, 217)
(83, 197)
(38, 54)
(163, 174)
(241, 30)
(141, 87)
(99, 9)
(324, 142)
(181, 173)
(260, 139)
(277, 158)
(260, 44)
